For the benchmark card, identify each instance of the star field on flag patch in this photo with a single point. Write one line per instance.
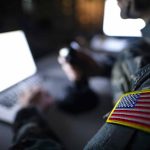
(132, 110)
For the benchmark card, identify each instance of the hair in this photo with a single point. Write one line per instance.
(142, 5)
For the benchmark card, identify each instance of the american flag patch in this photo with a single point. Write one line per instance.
(133, 110)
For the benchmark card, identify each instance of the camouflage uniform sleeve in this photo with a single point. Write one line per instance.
(130, 73)
(31, 131)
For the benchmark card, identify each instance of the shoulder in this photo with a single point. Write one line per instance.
(113, 136)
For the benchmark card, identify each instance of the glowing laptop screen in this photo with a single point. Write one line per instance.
(114, 25)
(16, 61)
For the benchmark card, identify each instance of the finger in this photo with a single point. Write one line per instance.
(61, 60)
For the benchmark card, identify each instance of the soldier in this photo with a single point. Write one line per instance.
(128, 125)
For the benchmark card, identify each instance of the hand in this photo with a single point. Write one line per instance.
(87, 67)
(36, 97)
(73, 73)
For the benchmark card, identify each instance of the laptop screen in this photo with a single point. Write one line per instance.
(16, 61)
(114, 25)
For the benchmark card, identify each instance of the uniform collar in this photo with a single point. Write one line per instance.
(146, 31)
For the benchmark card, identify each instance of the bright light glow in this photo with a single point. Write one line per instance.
(64, 52)
(16, 61)
(75, 45)
(114, 25)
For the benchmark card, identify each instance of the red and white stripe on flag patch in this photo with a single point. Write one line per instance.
(132, 110)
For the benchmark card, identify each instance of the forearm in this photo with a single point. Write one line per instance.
(31, 130)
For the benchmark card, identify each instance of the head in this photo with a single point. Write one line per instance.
(134, 8)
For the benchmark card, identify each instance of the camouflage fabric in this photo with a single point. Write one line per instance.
(132, 70)
(31, 132)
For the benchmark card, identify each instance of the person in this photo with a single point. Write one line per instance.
(79, 96)
(130, 73)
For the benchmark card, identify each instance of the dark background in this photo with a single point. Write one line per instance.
(50, 24)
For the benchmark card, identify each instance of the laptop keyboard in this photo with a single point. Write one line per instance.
(11, 96)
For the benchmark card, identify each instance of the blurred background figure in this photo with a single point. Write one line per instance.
(79, 97)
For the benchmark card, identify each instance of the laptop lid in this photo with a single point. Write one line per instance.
(16, 60)
(114, 25)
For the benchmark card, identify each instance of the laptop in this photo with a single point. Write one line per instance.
(18, 72)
